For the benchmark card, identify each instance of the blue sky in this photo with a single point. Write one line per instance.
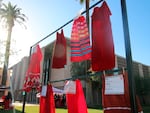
(45, 16)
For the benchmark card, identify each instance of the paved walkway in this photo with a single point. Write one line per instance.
(21, 104)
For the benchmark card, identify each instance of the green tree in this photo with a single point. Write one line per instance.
(9, 14)
(80, 70)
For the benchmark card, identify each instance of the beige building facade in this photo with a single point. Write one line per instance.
(19, 70)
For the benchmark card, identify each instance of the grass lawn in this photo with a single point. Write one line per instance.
(35, 109)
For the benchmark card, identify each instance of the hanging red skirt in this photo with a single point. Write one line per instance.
(47, 104)
(76, 103)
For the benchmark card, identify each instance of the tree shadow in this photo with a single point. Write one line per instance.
(9, 111)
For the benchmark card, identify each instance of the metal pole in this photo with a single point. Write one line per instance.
(24, 101)
(24, 93)
(128, 57)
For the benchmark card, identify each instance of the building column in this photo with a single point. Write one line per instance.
(141, 74)
(149, 71)
(116, 63)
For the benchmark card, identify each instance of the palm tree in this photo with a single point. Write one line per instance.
(9, 14)
(87, 63)
(87, 3)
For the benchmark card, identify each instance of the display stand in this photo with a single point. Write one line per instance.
(128, 56)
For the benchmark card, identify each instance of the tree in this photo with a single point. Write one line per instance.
(9, 14)
(87, 3)
(13, 50)
(87, 63)
(78, 68)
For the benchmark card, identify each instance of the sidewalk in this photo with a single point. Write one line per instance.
(21, 104)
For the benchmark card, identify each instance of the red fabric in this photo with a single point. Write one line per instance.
(120, 102)
(139, 107)
(76, 103)
(3, 97)
(80, 41)
(32, 79)
(6, 104)
(59, 54)
(47, 104)
(103, 56)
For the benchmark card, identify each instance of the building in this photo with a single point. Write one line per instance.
(138, 68)
(49, 74)
(18, 74)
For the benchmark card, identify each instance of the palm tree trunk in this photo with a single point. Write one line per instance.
(4, 75)
(87, 13)
(89, 96)
(7, 52)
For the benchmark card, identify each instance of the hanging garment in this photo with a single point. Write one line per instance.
(47, 104)
(139, 107)
(32, 79)
(80, 41)
(59, 54)
(116, 103)
(103, 56)
(76, 103)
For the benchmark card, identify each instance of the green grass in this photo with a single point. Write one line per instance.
(35, 109)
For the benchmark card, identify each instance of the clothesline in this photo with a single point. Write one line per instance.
(65, 24)
(99, 73)
(46, 79)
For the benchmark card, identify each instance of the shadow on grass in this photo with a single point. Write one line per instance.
(9, 111)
